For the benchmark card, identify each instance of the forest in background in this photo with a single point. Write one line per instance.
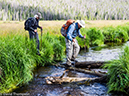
(17, 10)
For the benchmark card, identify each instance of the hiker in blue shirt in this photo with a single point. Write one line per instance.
(72, 47)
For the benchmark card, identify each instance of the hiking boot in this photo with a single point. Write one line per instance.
(68, 64)
(74, 60)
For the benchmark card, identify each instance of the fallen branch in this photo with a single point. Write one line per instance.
(58, 80)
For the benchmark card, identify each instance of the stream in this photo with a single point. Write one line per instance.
(38, 86)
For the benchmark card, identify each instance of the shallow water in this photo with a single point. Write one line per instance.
(38, 87)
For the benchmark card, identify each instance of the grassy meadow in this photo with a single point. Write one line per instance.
(18, 56)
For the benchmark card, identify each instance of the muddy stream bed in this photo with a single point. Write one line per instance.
(38, 86)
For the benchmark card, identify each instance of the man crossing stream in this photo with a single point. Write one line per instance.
(72, 47)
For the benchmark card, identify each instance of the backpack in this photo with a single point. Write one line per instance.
(26, 24)
(66, 26)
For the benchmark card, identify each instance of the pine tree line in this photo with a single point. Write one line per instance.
(65, 9)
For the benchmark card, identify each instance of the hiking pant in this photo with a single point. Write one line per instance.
(34, 35)
(72, 50)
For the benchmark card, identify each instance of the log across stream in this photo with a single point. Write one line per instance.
(58, 80)
(87, 69)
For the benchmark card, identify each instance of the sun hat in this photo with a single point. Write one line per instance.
(39, 15)
(81, 23)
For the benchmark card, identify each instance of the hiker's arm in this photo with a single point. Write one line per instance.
(40, 27)
(69, 33)
(80, 35)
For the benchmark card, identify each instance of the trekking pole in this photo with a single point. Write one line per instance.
(85, 48)
(74, 60)
(41, 37)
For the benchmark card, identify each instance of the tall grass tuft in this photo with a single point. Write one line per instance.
(16, 63)
(116, 35)
(18, 58)
(84, 42)
(118, 73)
(51, 48)
(96, 37)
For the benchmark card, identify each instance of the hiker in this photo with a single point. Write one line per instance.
(72, 47)
(32, 28)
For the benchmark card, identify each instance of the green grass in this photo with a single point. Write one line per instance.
(15, 62)
(18, 58)
(116, 35)
(118, 73)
